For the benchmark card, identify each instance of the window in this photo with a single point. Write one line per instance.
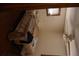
(53, 11)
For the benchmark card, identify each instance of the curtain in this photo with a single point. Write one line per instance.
(69, 32)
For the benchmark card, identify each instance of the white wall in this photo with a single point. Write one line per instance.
(55, 22)
(51, 33)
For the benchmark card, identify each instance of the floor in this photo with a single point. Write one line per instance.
(48, 45)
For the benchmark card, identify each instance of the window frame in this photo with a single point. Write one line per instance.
(53, 14)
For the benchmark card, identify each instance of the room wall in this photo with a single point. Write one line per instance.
(50, 40)
(51, 21)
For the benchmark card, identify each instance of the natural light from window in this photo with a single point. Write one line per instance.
(53, 11)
